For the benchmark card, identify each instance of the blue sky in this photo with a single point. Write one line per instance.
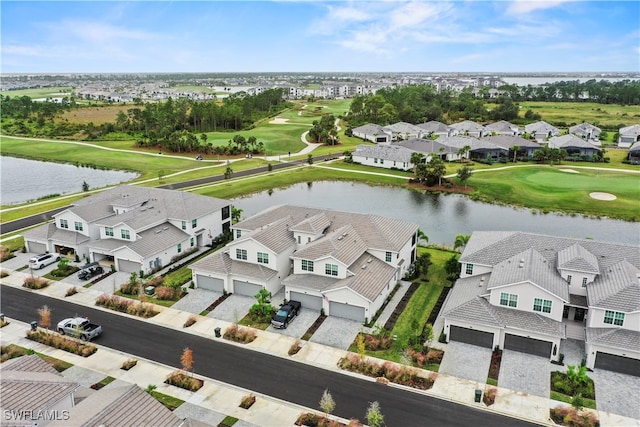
(299, 36)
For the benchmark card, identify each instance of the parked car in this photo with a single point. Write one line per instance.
(90, 270)
(285, 314)
(79, 327)
(41, 261)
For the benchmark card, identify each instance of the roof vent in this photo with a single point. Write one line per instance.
(364, 266)
(369, 260)
(165, 228)
(339, 237)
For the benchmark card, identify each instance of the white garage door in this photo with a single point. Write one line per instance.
(353, 312)
(210, 283)
(245, 288)
(129, 266)
(311, 302)
(38, 248)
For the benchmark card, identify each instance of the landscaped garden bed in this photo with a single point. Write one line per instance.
(573, 386)
(104, 382)
(61, 342)
(309, 419)
(494, 367)
(565, 415)
(313, 328)
(33, 282)
(239, 334)
(184, 380)
(216, 303)
(247, 401)
(12, 351)
(396, 373)
(125, 305)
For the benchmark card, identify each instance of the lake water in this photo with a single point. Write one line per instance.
(440, 216)
(23, 180)
(536, 81)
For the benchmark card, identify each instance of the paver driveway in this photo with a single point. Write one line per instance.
(525, 372)
(337, 332)
(299, 325)
(234, 308)
(617, 393)
(468, 361)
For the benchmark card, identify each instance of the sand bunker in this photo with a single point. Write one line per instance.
(569, 170)
(278, 121)
(602, 196)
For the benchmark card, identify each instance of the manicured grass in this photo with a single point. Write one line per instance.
(601, 115)
(588, 403)
(549, 189)
(169, 402)
(277, 138)
(40, 92)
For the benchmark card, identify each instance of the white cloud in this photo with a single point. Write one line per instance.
(521, 7)
(101, 32)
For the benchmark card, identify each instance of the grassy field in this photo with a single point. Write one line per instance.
(44, 92)
(277, 139)
(96, 115)
(602, 115)
(551, 189)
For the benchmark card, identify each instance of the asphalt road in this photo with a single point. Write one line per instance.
(274, 376)
(30, 221)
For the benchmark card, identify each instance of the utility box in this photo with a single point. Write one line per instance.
(217, 332)
(149, 290)
(478, 395)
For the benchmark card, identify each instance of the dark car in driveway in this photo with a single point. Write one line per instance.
(285, 314)
(90, 270)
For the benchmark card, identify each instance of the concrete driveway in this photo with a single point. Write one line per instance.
(617, 393)
(467, 361)
(526, 373)
(299, 325)
(196, 300)
(233, 308)
(337, 332)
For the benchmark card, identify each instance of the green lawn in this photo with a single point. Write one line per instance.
(40, 92)
(277, 138)
(602, 115)
(550, 189)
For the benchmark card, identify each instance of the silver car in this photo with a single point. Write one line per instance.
(41, 261)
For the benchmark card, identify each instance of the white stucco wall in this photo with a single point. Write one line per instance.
(595, 319)
(477, 270)
(527, 292)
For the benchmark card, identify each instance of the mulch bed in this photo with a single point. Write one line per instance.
(218, 302)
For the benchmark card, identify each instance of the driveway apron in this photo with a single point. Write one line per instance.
(525, 372)
(466, 361)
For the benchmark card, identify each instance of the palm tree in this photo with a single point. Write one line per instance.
(515, 149)
(461, 241)
(416, 158)
(422, 236)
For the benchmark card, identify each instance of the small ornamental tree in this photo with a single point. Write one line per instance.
(186, 360)
(327, 404)
(374, 416)
(45, 316)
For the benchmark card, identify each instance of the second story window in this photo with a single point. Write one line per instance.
(469, 269)
(543, 305)
(263, 258)
(387, 256)
(238, 233)
(194, 223)
(78, 226)
(614, 318)
(179, 247)
(64, 223)
(184, 225)
(108, 231)
(331, 269)
(509, 300)
(241, 254)
(584, 282)
(307, 265)
(125, 234)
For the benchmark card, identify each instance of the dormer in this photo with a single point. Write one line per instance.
(310, 229)
(578, 267)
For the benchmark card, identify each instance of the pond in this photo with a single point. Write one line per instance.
(440, 216)
(23, 180)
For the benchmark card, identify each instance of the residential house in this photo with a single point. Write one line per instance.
(133, 228)
(431, 148)
(634, 154)
(343, 263)
(503, 127)
(469, 128)
(372, 132)
(587, 131)
(526, 146)
(476, 147)
(628, 135)
(389, 156)
(575, 146)
(436, 129)
(529, 292)
(403, 131)
(541, 131)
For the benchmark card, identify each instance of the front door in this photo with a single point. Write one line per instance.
(565, 312)
(580, 312)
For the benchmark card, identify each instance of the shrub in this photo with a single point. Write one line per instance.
(184, 381)
(190, 321)
(156, 281)
(3, 273)
(124, 305)
(130, 288)
(71, 291)
(165, 293)
(62, 343)
(568, 416)
(391, 371)
(247, 401)
(489, 396)
(295, 348)
(35, 283)
(128, 364)
(239, 334)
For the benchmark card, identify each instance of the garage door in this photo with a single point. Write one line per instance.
(38, 248)
(471, 336)
(311, 302)
(353, 312)
(528, 345)
(245, 288)
(129, 266)
(210, 283)
(613, 362)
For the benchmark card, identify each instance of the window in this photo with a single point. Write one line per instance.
(194, 223)
(584, 282)
(331, 269)
(510, 300)
(614, 318)
(192, 241)
(263, 258)
(184, 225)
(381, 161)
(179, 247)
(387, 256)
(299, 239)
(125, 234)
(307, 265)
(64, 223)
(375, 160)
(469, 269)
(569, 279)
(226, 212)
(238, 233)
(108, 231)
(541, 305)
(241, 254)
(78, 225)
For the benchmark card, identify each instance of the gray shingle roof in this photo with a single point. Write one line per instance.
(468, 126)
(457, 142)
(508, 141)
(577, 258)
(541, 127)
(623, 339)
(49, 231)
(343, 244)
(221, 263)
(584, 128)
(503, 126)
(633, 130)
(371, 275)
(275, 236)
(617, 289)
(402, 128)
(425, 145)
(531, 266)
(477, 310)
(315, 224)
(28, 363)
(391, 152)
(33, 391)
(434, 126)
(369, 129)
(570, 141)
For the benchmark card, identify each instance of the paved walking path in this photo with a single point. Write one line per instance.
(216, 399)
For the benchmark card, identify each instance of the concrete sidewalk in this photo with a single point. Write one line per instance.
(107, 362)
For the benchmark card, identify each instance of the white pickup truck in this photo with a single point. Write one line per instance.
(79, 327)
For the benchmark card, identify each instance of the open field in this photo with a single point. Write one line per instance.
(277, 139)
(602, 115)
(96, 115)
(40, 92)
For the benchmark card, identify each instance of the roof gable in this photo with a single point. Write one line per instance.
(577, 258)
